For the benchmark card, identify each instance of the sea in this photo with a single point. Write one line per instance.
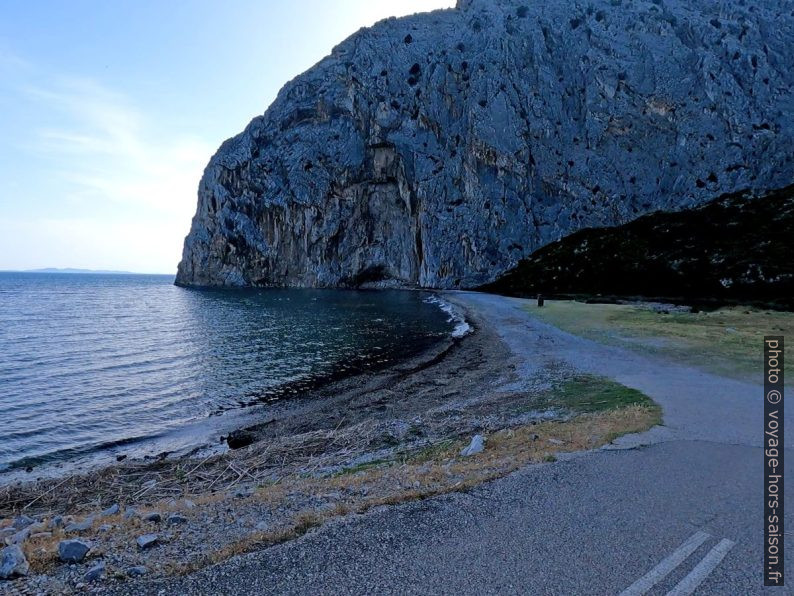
(101, 366)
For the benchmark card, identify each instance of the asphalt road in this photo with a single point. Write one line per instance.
(675, 510)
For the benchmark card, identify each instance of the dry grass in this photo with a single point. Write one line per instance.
(432, 472)
(294, 476)
(152, 482)
(506, 451)
(727, 341)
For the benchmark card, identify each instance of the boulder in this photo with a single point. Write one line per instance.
(13, 562)
(137, 571)
(239, 438)
(23, 521)
(96, 572)
(175, 519)
(153, 517)
(477, 445)
(147, 541)
(73, 551)
(112, 510)
(19, 537)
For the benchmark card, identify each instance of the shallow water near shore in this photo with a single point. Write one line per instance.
(98, 363)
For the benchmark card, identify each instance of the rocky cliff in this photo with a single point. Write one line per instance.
(437, 150)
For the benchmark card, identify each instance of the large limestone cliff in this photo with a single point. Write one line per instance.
(439, 149)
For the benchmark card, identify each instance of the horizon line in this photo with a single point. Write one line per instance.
(77, 270)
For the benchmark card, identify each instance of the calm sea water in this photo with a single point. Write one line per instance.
(92, 362)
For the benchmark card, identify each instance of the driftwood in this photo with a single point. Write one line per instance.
(136, 482)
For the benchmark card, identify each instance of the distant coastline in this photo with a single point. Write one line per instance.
(70, 270)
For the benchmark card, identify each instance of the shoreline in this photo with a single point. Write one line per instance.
(240, 420)
(207, 436)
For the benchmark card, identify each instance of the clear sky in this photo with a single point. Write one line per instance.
(109, 111)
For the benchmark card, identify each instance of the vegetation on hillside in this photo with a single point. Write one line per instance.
(736, 249)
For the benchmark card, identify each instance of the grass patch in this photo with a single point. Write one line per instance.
(588, 393)
(363, 466)
(727, 341)
(429, 453)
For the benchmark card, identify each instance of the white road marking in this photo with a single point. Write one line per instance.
(658, 573)
(690, 583)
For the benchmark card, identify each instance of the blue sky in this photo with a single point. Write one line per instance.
(109, 112)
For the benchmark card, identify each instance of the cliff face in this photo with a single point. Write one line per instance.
(438, 150)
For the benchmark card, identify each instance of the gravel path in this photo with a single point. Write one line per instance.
(591, 524)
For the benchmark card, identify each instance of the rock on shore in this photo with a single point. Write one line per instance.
(439, 149)
(13, 562)
(73, 551)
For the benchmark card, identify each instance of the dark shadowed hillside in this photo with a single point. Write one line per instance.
(734, 249)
